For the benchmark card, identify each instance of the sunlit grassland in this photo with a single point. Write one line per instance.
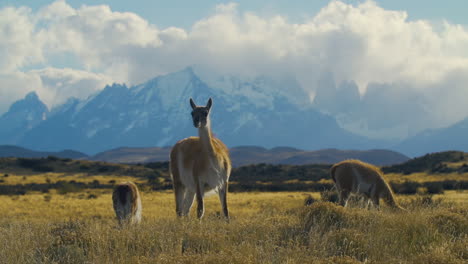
(52, 177)
(265, 228)
(156, 205)
(425, 177)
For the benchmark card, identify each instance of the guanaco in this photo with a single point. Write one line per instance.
(200, 165)
(127, 203)
(354, 176)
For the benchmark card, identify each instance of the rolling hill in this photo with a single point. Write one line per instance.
(245, 155)
(19, 152)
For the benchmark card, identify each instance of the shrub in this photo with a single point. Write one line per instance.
(85, 167)
(426, 200)
(53, 158)
(67, 187)
(43, 168)
(67, 254)
(309, 200)
(431, 162)
(329, 196)
(95, 184)
(407, 187)
(92, 196)
(69, 244)
(39, 165)
(324, 216)
(47, 198)
(434, 187)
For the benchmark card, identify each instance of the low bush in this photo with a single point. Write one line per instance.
(329, 196)
(407, 187)
(325, 216)
(434, 187)
(309, 200)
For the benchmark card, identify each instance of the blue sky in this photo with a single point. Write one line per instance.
(183, 14)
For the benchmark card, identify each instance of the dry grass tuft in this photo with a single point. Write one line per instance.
(449, 223)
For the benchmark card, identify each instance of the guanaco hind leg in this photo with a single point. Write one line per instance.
(189, 197)
(223, 200)
(179, 193)
(200, 205)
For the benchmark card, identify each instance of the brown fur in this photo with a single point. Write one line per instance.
(119, 197)
(354, 176)
(193, 150)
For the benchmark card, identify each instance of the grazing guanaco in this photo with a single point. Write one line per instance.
(200, 165)
(354, 176)
(127, 203)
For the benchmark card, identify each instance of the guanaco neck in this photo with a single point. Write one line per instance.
(205, 138)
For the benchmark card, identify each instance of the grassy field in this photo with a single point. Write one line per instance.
(59, 211)
(265, 228)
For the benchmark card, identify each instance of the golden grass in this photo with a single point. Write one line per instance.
(48, 206)
(265, 228)
(425, 177)
(53, 177)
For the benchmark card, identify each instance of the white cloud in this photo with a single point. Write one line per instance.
(59, 84)
(15, 86)
(18, 43)
(54, 86)
(364, 43)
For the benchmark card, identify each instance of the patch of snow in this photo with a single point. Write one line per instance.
(164, 141)
(361, 127)
(129, 127)
(30, 116)
(92, 132)
(166, 130)
(243, 119)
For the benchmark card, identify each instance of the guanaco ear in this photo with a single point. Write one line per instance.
(208, 105)
(192, 103)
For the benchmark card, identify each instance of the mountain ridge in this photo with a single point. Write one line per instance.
(246, 155)
(256, 111)
(451, 138)
(157, 113)
(19, 152)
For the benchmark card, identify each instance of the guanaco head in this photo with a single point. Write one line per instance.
(200, 113)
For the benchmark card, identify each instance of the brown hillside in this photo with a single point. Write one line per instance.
(246, 155)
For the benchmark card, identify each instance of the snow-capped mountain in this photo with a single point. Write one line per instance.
(22, 116)
(259, 111)
(386, 111)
